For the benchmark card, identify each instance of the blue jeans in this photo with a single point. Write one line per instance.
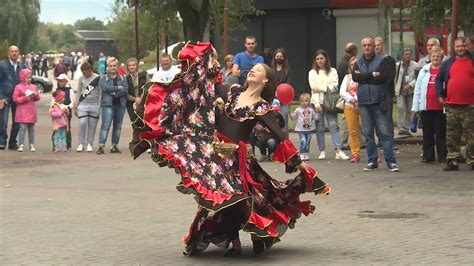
(22, 132)
(266, 146)
(373, 119)
(331, 118)
(284, 112)
(109, 114)
(60, 134)
(305, 140)
(4, 124)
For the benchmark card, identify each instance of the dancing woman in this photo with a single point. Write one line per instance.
(210, 150)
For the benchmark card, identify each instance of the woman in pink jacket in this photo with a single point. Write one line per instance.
(25, 96)
(59, 112)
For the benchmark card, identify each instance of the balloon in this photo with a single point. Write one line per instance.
(285, 93)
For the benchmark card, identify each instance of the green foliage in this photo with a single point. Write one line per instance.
(4, 49)
(56, 37)
(89, 24)
(238, 13)
(150, 58)
(161, 15)
(18, 20)
(438, 10)
(152, 18)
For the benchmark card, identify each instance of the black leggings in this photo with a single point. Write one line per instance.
(231, 220)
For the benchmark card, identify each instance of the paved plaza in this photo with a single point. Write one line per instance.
(81, 208)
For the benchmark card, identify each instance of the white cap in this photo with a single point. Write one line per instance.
(62, 77)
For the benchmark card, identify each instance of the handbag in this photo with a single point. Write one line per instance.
(341, 103)
(330, 102)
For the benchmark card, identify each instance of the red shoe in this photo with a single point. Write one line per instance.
(355, 159)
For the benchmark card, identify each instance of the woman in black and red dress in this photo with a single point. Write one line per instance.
(209, 147)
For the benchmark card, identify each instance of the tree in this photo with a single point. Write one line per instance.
(238, 12)
(56, 37)
(89, 24)
(438, 10)
(199, 14)
(152, 17)
(195, 15)
(19, 20)
(3, 50)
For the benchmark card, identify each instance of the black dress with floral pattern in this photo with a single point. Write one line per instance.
(183, 131)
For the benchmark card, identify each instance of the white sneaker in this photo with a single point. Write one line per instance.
(306, 157)
(322, 155)
(32, 148)
(89, 148)
(341, 156)
(80, 148)
(20, 149)
(148, 151)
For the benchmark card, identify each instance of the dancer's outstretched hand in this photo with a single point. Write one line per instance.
(303, 167)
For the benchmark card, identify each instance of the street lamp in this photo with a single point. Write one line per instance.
(225, 28)
(454, 23)
(135, 3)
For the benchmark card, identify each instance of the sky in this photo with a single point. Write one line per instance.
(68, 11)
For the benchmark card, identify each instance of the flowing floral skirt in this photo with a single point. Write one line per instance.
(177, 121)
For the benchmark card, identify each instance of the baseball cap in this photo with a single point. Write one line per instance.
(62, 77)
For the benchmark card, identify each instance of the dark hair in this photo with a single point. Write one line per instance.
(351, 48)
(268, 92)
(462, 39)
(327, 65)
(86, 66)
(250, 37)
(56, 92)
(285, 62)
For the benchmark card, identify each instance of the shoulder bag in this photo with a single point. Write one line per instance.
(333, 103)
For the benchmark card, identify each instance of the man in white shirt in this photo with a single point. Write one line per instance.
(167, 71)
(404, 89)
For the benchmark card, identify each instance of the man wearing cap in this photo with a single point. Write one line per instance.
(64, 86)
(9, 78)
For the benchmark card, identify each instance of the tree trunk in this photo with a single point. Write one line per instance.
(195, 14)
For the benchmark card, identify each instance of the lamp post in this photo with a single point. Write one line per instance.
(137, 51)
(225, 28)
(167, 25)
(135, 3)
(454, 23)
